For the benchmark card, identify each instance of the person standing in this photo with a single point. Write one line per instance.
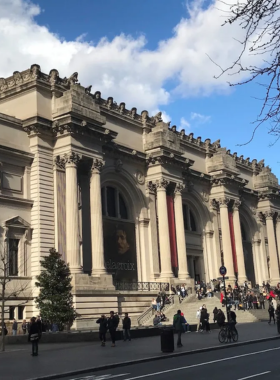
(198, 314)
(113, 323)
(158, 301)
(178, 322)
(103, 324)
(271, 312)
(15, 327)
(33, 336)
(261, 299)
(24, 326)
(126, 328)
(40, 327)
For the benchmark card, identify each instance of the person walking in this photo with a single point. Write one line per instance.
(178, 322)
(126, 328)
(14, 327)
(113, 323)
(103, 325)
(24, 327)
(215, 312)
(158, 301)
(271, 312)
(198, 314)
(33, 336)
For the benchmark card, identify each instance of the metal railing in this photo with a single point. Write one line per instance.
(149, 313)
(142, 286)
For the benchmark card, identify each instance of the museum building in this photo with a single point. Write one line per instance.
(128, 201)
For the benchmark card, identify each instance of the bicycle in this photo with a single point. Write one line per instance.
(227, 334)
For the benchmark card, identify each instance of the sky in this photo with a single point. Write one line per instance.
(150, 54)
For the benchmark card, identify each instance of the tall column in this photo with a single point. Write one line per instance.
(97, 247)
(154, 257)
(238, 243)
(72, 213)
(262, 249)
(163, 230)
(274, 266)
(183, 273)
(278, 234)
(227, 249)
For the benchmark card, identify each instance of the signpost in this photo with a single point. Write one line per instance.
(223, 272)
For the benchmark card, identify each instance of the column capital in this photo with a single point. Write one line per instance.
(71, 159)
(278, 218)
(209, 233)
(269, 215)
(179, 187)
(236, 204)
(97, 165)
(161, 184)
(151, 186)
(59, 163)
(214, 205)
(223, 202)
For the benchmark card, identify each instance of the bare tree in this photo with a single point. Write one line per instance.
(11, 288)
(260, 20)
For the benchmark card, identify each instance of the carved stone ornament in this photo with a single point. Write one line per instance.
(97, 165)
(205, 196)
(88, 89)
(35, 71)
(118, 165)
(144, 116)
(162, 184)
(17, 77)
(83, 123)
(151, 186)
(97, 96)
(71, 158)
(179, 187)
(59, 162)
(133, 112)
(140, 178)
(214, 205)
(223, 202)
(110, 101)
(53, 76)
(5, 233)
(269, 215)
(236, 204)
(122, 108)
(3, 84)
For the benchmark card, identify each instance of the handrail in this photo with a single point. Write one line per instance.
(149, 312)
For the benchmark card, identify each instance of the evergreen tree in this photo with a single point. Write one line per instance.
(55, 300)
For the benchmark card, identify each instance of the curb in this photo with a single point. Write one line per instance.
(152, 358)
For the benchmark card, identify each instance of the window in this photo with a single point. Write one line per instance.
(20, 312)
(113, 204)
(13, 257)
(11, 313)
(189, 219)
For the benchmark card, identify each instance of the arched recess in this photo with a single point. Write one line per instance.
(249, 233)
(199, 250)
(124, 254)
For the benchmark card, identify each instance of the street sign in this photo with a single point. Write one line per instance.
(223, 271)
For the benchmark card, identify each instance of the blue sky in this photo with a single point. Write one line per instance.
(154, 56)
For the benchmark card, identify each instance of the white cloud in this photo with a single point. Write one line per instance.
(184, 124)
(123, 67)
(200, 119)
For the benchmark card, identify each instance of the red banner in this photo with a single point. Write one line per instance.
(172, 231)
(232, 238)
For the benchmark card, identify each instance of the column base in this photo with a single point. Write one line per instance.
(98, 272)
(166, 277)
(241, 280)
(75, 270)
(274, 281)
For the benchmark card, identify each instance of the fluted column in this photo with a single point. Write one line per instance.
(97, 247)
(278, 235)
(72, 213)
(163, 230)
(274, 266)
(227, 249)
(183, 273)
(238, 243)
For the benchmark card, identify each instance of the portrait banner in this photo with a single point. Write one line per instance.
(120, 250)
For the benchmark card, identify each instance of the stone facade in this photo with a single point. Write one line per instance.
(124, 197)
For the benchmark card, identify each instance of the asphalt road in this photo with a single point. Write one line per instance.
(259, 361)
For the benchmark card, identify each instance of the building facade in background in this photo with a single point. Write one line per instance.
(124, 197)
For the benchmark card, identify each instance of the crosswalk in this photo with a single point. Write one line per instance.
(102, 377)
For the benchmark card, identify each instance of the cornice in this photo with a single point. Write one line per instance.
(120, 150)
(16, 152)
(19, 201)
(165, 157)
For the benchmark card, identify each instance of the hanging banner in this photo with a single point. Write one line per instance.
(120, 250)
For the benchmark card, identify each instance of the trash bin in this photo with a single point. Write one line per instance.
(167, 340)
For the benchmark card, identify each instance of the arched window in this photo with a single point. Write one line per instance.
(189, 219)
(113, 204)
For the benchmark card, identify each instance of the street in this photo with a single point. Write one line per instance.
(238, 363)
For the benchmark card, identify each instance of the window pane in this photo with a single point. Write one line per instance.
(111, 202)
(11, 312)
(20, 312)
(193, 225)
(13, 257)
(123, 209)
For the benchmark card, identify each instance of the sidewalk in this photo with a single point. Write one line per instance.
(17, 363)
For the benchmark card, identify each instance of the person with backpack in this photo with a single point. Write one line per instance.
(103, 325)
(113, 323)
(178, 322)
(271, 312)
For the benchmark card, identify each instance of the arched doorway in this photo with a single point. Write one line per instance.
(119, 235)
(248, 253)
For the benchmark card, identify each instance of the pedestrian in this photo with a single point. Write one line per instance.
(221, 318)
(154, 305)
(103, 325)
(126, 328)
(186, 326)
(33, 336)
(157, 319)
(15, 327)
(198, 313)
(24, 326)
(113, 323)
(215, 312)
(204, 320)
(178, 322)
(271, 312)
(40, 326)
(261, 299)
(158, 301)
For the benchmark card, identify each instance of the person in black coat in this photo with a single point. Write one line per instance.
(126, 327)
(113, 323)
(33, 336)
(103, 325)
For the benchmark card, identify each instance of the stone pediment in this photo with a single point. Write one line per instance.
(16, 222)
(221, 162)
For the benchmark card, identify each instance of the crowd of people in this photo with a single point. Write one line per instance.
(111, 324)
